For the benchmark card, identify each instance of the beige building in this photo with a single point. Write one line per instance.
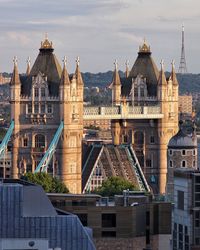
(185, 104)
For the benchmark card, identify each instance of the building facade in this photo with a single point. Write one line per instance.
(145, 86)
(186, 211)
(40, 100)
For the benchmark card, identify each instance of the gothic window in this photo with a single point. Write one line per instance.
(152, 139)
(29, 108)
(171, 164)
(25, 142)
(42, 108)
(36, 108)
(170, 152)
(39, 141)
(142, 92)
(49, 109)
(42, 92)
(36, 92)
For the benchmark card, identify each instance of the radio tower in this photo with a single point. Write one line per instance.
(182, 67)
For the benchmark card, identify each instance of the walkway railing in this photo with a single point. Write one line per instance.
(122, 112)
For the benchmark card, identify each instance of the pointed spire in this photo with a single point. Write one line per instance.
(162, 79)
(65, 76)
(78, 72)
(173, 74)
(28, 69)
(127, 69)
(15, 80)
(116, 77)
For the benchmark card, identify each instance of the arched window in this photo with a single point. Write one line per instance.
(39, 141)
(139, 138)
(171, 164)
(183, 164)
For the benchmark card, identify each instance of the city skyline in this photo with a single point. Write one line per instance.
(99, 31)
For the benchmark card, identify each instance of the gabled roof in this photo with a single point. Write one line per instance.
(118, 160)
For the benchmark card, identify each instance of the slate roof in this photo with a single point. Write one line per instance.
(46, 63)
(145, 66)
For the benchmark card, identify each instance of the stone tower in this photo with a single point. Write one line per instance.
(40, 100)
(146, 88)
(182, 153)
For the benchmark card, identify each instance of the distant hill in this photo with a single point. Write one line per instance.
(189, 83)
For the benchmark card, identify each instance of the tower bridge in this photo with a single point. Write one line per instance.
(47, 116)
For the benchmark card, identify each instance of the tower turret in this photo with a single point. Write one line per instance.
(116, 86)
(15, 89)
(28, 69)
(162, 83)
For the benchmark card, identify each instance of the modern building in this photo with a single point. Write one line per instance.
(186, 211)
(29, 221)
(182, 153)
(129, 221)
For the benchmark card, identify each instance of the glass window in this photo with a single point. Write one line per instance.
(183, 164)
(49, 108)
(171, 164)
(43, 92)
(25, 142)
(194, 152)
(194, 164)
(36, 108)
(180, 201)
(39, 141)
(148, 163)
(183, 152)
(42, 108)
(170, 152)
(108, 220)
(29, 108)
(152, 139)
(36, 91)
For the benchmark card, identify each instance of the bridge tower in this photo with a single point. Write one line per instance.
(15, 90)
(40, 100)
(71, 113)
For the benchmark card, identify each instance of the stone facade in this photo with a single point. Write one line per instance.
(39, 102)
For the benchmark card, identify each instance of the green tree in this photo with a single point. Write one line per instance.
(50, 184)
(113, 186)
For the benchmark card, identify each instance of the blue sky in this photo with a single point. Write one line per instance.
(99, 31)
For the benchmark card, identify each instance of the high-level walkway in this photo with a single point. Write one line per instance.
(123, 111)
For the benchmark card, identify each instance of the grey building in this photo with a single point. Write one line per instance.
(186, 212)
(27, 213)
(182, 153)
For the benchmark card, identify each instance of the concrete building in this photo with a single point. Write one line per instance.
(182, 153)
(127, 222)
(186, 211)
(29, 221)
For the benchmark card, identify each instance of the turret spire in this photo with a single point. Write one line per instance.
(65, 77)
(162, 79)
(116, 77)
(28, 70)
(78, 72)
(15, 80)
(173, 74)
(127, 69)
